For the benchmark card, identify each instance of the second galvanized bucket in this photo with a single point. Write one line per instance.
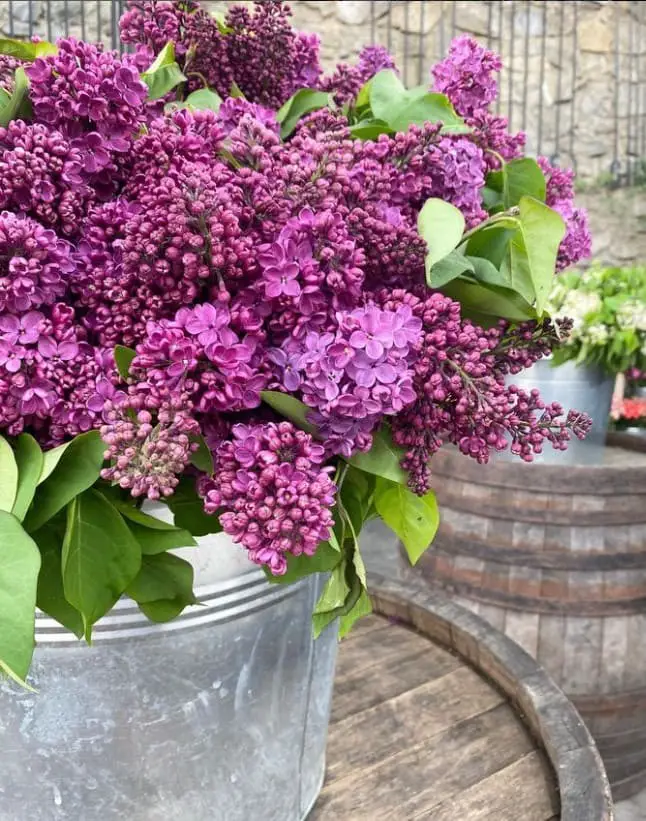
(220, 715)
(583, 388)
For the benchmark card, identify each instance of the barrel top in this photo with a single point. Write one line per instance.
(426, 723)
(623, 471)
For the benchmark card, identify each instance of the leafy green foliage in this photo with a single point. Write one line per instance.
(163, 577)
(75, 468)
(123, 360)
(25, 50)
(153, 541)
(51, 596)
(188, 510)
(383, 458)
(164, 73)
(412, 518)
(100, 557)
(291, 408)
(29, 460)
(516, 179)
(202, 458)
(300, 104)
(441, 226)
(8, 476)
(18, 105)
(369, 129)
(204, 99)
(400, 108)
(485, 304)
(324, 560)
(448, 269)
(19, 566)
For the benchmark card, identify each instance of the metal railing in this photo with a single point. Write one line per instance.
(574, 74)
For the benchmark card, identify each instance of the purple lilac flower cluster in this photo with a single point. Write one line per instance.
(462, 396)
(234, 262)
(272, 492)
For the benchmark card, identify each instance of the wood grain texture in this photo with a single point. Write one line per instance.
(465, 727)
(555, 557)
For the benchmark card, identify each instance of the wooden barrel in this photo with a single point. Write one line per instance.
(437, 715)
(555, 557)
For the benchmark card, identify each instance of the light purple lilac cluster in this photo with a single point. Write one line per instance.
(272, 492)
(234, 262)
(353, 377)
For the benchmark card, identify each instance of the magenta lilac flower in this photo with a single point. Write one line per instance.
(271, 492)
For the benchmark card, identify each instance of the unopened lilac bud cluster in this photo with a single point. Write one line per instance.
(577, 242)
(461, 392)
(42, 176)
(271, 493)
(148, 448)
(347, 80)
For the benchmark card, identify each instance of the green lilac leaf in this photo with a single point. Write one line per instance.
(448, 269)
(188, 510)
(522, 177)
(153, 542)
(163, 576)
(291, 408)
(25, 50)
(412, 518)
(164, 73)
(19, 567)
(369, 129)
(325, 559)
(18, 105)
(51, 596)
(76, 469)
(202, 458)
(441, 226)
(362, 607)
(8, 476)
(204, 99)
(163, 610)
(100, 557)
(123, 360)
(383, 458)
(485, 304)
(29, 459)
(303, 102)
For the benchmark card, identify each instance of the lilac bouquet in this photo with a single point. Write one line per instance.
(261, 295)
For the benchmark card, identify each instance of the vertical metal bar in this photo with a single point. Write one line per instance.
(420, 60)
(641, 80)
(575, 48)
(541, 81)
(30, 11)
(389, 26)
(373, 22)
(559, 88)
(629, 120)
(615, 168)
(114, 25)
(405, 37)
(500, 49)
(489, 25)
(11, 18)
(442, 55)
(66, 17)
(510, 66)
(83, 21)
(99, 29)
(49, 21)
(453, 19)
(526, 66)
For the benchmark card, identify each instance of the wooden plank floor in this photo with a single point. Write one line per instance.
(417, 734)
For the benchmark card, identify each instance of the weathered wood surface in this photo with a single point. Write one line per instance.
(555, 557)
(439, 717)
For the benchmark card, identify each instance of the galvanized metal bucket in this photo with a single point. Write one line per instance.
(220, 715)
(583, 388)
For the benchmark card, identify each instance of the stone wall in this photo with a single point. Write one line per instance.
(574, 77)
